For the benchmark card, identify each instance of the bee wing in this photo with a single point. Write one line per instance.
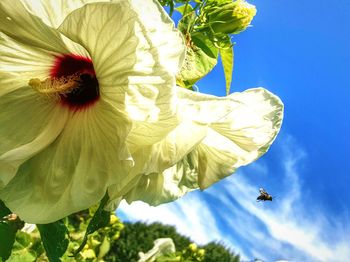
(262, 191)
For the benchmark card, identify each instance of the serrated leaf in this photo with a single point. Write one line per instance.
(55, 239)
(226, 54)
(100, 219)
(7, 239)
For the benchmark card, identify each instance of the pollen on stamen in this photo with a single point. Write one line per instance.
(56, 88)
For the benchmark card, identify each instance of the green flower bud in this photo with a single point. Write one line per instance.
(230, 18)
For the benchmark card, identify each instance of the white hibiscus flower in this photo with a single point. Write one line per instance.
(89, 104)
(76, 78)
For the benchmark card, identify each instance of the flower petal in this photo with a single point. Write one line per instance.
(20, 62)
(53, 12)
(171, 184)
(30, 51)
(142, 24)
(240, 137)
(26, 28)
(240, 128)
(169, 41)
(131, 71)
(154, 166)
(154, 18)
(27, 127)
(75, 171)
(174, 147)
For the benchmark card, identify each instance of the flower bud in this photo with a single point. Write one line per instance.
(230, 17)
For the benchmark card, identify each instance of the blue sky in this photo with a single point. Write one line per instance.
(300, 50)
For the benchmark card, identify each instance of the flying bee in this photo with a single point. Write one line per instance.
(264, 196)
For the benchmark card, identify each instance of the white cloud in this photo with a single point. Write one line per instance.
(281, 230)
(186, 214)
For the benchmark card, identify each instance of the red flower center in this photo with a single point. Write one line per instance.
(87, 91)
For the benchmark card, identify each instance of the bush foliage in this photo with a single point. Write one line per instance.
(119, 242)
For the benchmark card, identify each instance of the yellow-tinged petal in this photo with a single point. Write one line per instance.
(74, 172)
(29, 123)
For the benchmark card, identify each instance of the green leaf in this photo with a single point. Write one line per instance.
(4, 210)
(23, 240)
(171, 11)
(55, 239)
(201, 57)
(7, 239)
(21, 251)
(226, 54)
(100, 219)
(23, 256)
(186, 22)
(184, 9)
(9, 224)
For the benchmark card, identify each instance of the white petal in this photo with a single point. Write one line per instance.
(157, 159)
(26, 28)
(20, 62)
(127, 24)
(53, 12)
(25, 54)
(240, 128)
(160, 28)
(167, 186)
(130, 72)
(174, 147)
(241, 137)
(75, 171)
(157, 167)
(29, 123)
